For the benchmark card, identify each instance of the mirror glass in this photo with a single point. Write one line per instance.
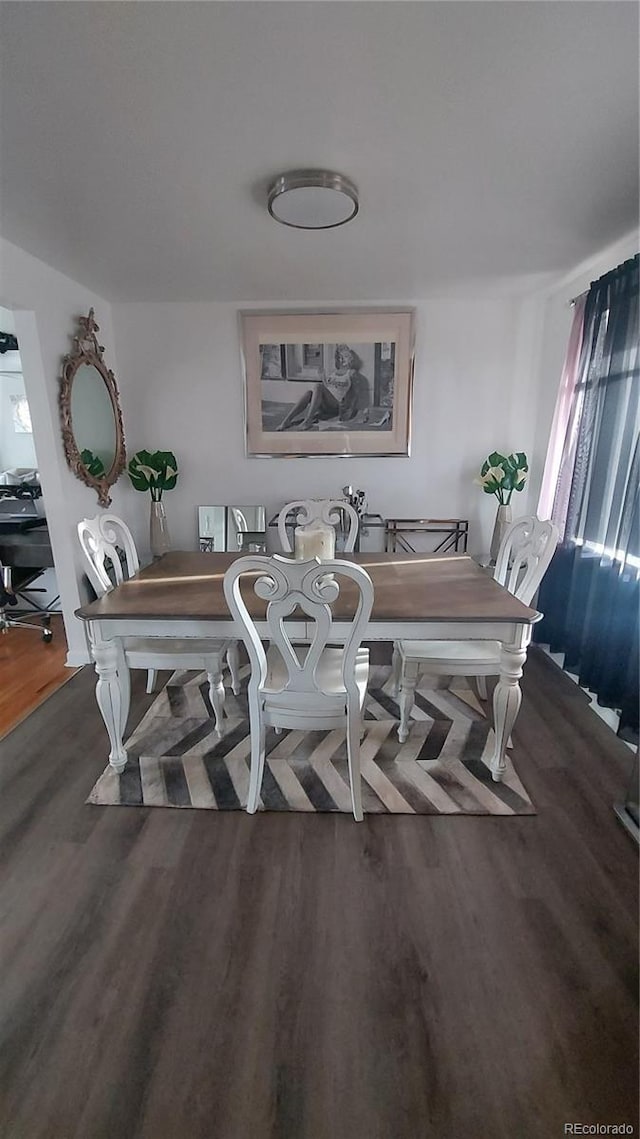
(246, 528)
(232, 529)
(212, 528)
(92, 417)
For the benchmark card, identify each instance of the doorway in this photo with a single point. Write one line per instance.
(32, 641)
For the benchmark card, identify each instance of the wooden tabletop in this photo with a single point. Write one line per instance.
(407, 587)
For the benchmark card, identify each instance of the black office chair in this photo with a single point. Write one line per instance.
(9, 599)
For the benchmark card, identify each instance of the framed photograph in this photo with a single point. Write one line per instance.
(328, 383)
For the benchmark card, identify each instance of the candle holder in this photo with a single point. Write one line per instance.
(317, 540)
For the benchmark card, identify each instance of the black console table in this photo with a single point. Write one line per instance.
(399, 534)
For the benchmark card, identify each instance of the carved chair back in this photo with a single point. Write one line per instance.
(102, 538)
(335, 512)
(291, 588)
(527, 548)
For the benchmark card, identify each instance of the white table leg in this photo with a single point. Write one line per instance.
(408, 682)
(112, 697)
(233, 660)
(506, 703)
(124, 678)
(217, 696)
(396, 668)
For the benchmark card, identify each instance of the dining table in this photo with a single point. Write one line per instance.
(443, 596)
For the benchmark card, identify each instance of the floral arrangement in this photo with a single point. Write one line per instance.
(155, 471)
(502, 474)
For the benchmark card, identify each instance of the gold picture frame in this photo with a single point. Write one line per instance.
(328, 383)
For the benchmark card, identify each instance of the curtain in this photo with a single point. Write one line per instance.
(590, 595)
(554, 490)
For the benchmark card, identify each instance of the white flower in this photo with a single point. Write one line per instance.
(494, 474)
(520, 477)
(148, 472)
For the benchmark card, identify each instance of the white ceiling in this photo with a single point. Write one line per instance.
(489, 142)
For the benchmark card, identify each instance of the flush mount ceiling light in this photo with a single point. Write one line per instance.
(313, 199)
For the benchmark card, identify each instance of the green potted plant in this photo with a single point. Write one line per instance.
(155, 471)
(500, 475)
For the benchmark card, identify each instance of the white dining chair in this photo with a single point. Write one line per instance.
(331, 511)
(526, 550)
(311, 687)
(104, 539)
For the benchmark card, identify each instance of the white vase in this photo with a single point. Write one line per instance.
(159, 539)
(503, 519)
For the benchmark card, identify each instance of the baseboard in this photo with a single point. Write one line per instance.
(76, 658)
(628, 821)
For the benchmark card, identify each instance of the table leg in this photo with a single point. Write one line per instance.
(408, 681)
(506, 703)
(124, 680)
(112, 696)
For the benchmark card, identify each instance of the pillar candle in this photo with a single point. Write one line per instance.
(314, 541)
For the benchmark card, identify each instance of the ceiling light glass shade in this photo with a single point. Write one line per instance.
(313, 199)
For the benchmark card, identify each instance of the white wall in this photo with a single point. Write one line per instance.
(180, 366)
(45, 306)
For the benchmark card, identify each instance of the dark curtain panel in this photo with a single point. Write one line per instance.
(590, 595)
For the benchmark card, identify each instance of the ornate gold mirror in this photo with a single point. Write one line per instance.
(90, 413)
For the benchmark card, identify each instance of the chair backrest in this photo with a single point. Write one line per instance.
(292, 587)
(333, 511)
(527, 548)
(102, 538)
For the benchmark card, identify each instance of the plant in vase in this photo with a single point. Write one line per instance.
(155, 471)
(501, 475)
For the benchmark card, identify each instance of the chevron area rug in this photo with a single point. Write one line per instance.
(177, 760)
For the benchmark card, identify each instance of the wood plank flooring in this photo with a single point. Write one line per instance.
(170, 974)
(30, 671)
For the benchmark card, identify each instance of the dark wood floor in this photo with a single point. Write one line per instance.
(170, 974)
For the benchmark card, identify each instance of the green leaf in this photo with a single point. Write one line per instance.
(496, 459)
(139, 471)
(518, 460)
(93, 464)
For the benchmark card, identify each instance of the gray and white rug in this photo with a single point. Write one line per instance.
(177, 760)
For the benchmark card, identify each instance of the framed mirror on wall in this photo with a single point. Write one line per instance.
(90, 413)
(232, 529)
